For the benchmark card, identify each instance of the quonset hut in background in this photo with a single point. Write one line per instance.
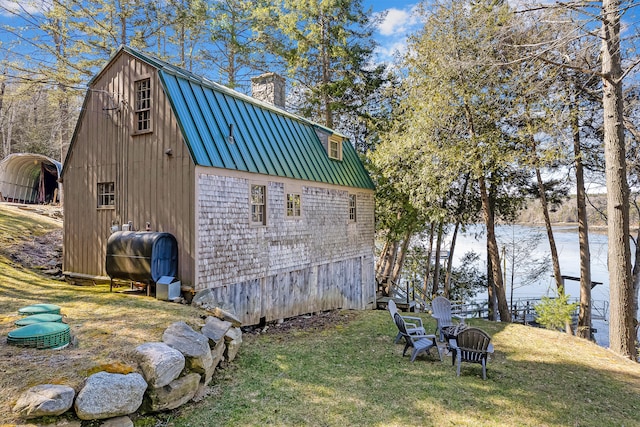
(30, 178)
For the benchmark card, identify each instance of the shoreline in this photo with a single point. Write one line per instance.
(597, 229)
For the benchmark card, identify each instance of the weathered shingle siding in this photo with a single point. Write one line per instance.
(327, 258)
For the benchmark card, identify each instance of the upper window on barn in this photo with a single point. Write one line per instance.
(143, 106)
(293, 205)
(352, 208)
(258, 204)
(335, 147)
(332, 143)
(106, 194)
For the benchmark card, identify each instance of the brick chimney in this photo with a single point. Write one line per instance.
(270, 88)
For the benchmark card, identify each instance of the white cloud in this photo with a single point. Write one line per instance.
(395, 22)
(388, 51)
(393, 31)
(20, 7)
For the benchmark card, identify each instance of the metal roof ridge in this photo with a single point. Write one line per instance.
(188, 75)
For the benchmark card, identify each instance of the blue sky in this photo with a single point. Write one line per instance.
(400, 20)
(391, 34)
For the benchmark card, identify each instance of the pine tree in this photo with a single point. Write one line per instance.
(325, 46)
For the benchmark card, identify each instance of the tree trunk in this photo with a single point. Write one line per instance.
(584, 315)
(552, 241)
(621, 338)
(385, 266)
(494, 253)
(390, 260)
(491, 291)
(231, 74)
(8, 131)
(427, 273)
(123, 25)
(635, 276)
(557, 275)
(382, 258)
(447, 279)
(6, 147)
(326, 69)
(461, 209)
(436, 263)
(397, 269)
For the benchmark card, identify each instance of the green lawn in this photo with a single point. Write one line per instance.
(352, 374)
(107, 325)
(349, 373)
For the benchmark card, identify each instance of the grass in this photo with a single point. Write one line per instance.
(17, 225)
(347, 373)
(107, 325)
(352, 374)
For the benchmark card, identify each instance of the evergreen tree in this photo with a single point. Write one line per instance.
(234, 51)
(450, 121)
(326, 47)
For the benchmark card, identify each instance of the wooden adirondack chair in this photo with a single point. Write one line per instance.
(419, 343)
(413, 324)
(471, 345)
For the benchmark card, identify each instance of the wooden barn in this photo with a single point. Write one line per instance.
(272, 214)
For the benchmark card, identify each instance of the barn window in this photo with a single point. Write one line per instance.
(352, 207)
(258, 204)
(335, 147)
(106, 194)
(143, 105)
(293, 205)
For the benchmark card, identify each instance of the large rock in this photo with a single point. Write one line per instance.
(45, 400)
(226, 314)
(233, 338)
(160, 363)
(62, 422)
(215, 329)
(193, 345)
(207, 300)
(173, 395)
(203, 297)
(217, 353)
(106, 395)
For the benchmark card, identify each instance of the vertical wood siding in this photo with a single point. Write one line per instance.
(323, 287)
(150, 185)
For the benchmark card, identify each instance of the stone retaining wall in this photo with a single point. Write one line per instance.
(171, 373)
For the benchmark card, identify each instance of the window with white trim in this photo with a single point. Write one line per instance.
(334, 148)
(106, 194)
(293, 205)
(258, 204)
(143, 105)
(352, 208)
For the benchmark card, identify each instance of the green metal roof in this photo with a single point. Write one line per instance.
(266, 139)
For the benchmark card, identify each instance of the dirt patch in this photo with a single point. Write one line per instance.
(307, 322)
(39, 253)
(35, 238)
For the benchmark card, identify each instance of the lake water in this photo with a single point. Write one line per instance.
(522, 238)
